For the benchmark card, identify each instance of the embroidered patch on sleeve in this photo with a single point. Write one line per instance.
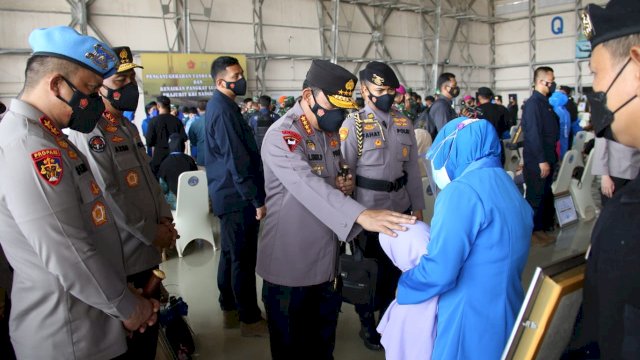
(48, 163)
(291, 138)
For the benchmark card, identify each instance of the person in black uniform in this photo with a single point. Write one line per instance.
(541, 131)
(159, 130)
(610, 321)
(493, 113)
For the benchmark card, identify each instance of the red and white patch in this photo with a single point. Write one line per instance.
(132, 178)
(116, 95)
(48, 163)
(292, 139)
(99, 214)
(84, 103)
(320, 112)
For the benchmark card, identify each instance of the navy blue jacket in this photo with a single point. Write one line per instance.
(541, 131)
(197, 136)
(234, 167)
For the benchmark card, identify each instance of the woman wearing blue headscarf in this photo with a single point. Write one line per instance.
(479, 245)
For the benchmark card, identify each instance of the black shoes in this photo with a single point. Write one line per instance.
(370, 338)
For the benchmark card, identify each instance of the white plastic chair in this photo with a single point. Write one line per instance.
(192, 218)
(571, 160)
(581, 191)
(580, 139)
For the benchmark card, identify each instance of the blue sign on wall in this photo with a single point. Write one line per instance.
(557, 25)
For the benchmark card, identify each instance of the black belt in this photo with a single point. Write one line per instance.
(382, 185)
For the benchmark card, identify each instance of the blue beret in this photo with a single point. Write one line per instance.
(66, 43)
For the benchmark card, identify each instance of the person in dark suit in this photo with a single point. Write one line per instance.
(236, 186)
(541, 131)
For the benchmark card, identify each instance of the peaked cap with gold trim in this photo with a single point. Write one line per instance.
(619, 18)
(336, 82)
(125, 59)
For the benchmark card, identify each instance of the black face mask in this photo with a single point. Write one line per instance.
(328, 120)
(238, 87)
(383, 103)
(454, 91)
(86, 109)
(552, 88)
(601, 115)
(124, 98)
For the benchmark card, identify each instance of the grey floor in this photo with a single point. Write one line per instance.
(194, 278)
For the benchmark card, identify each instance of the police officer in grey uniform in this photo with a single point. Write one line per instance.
(70, 296)
(379, 144)
(308, 212)
(120, 164)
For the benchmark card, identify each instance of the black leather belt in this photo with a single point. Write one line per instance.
(382, 185)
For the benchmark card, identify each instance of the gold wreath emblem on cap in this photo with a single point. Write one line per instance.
(377, 80)
(587, 25)
(124, 56)
(349, 85)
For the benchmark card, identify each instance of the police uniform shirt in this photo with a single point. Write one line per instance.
(388, 149)
(119, 162)
(305, 210)
(60, 237)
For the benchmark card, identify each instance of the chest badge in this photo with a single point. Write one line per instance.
(117, 139)
(99, 214)
(378, 143)
(94, 188)
(311, 145)
(334, 143)
(97, 144)
(48, 163)
(72, 154)
(405, 152)
(132, 178)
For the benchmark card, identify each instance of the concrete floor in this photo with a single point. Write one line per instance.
(194, 278)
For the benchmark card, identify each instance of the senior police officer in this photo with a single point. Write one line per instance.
(378, 142)
(70, 296)
(308, 209)
(611, 298)
(118, 160)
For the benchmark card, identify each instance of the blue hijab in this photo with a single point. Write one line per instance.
(462, 145)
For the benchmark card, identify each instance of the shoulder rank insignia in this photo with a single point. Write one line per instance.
(50, 126)
(117, 139)
(99, 214)
(132, 178)
(72, 154)
(291, 138)
(305, 124)
(48, 163)
(62, 143)
(344, 133)
(110, 118)
(97, 144)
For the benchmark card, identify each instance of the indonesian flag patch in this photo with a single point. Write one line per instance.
(291, 138)
(48, 163)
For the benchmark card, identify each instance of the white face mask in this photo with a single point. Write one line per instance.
(441, 176)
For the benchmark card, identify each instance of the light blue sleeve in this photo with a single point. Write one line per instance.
(459, 216)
